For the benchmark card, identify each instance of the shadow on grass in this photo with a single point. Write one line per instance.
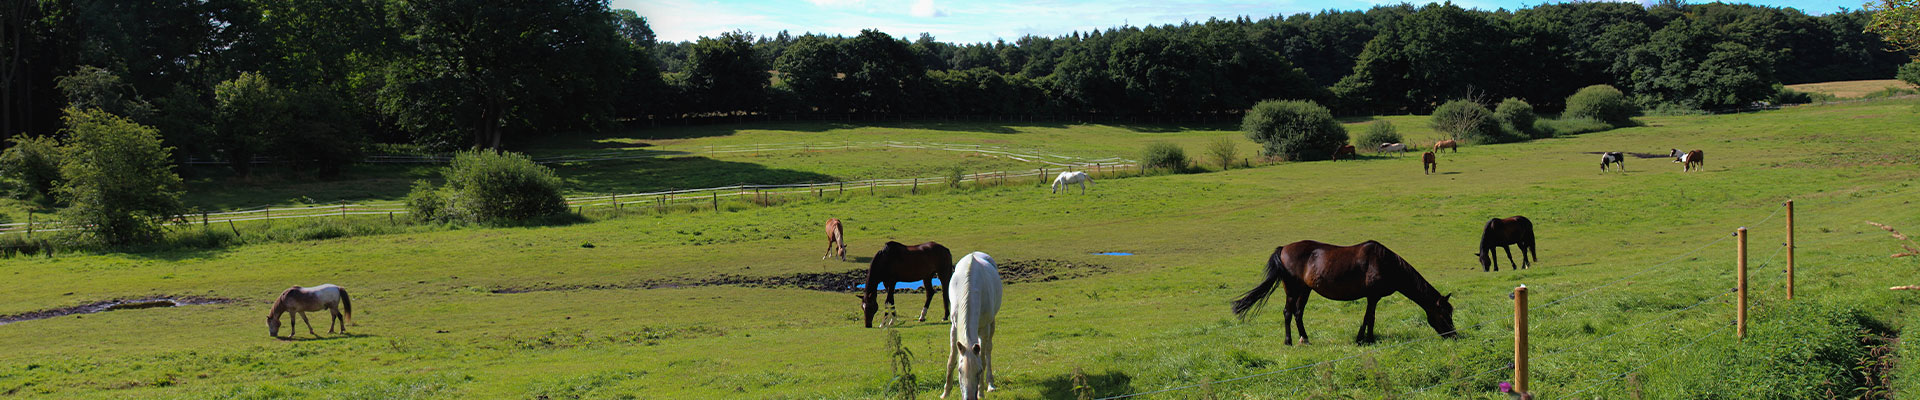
(1111, 383)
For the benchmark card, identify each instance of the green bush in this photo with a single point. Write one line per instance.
(485, 186)
(1783, 95)
(1294, 130)
(425, 203)
(118, 179)
(1380, 132)
(32, 165)
(955, 175)
(1909, 73)
(1601, 102)
(1517, 117)
(1469, 121)
(1164, 155)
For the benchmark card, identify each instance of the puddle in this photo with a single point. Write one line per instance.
(114, 305)
(902, 285)
(850, 281)
(1112, 253)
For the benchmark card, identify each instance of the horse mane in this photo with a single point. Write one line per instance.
(280, 303)
(1418, 289)
(1486, 233)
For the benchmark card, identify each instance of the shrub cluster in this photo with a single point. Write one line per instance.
(31, 165)
(485, 186)
(1470, 122)
(1163, 155)
(1603, 103)
(1378, 133)
(1294, 130)
(1517, 117)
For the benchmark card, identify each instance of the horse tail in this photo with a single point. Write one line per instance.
(347, 303)
(1254, 298)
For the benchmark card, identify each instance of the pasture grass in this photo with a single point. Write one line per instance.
(1624, 254)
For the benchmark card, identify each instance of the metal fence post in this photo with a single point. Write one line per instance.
(1789, 249)
(1520, 340)
(1740, 312)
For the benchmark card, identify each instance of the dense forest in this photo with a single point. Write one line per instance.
(311, 82)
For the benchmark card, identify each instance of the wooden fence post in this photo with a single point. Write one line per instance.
(29, 225)
(716, 201)
(916, 186)
(1789, 249)
(343, 211)
(1520, 340)
(269, 218)
(1740, 311)
(1043, 175)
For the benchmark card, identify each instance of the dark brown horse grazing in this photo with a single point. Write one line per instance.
(836, 240)
(1367, 270)
(1344, 150)
(1426, 161)
(902, 263)
(1502, 232)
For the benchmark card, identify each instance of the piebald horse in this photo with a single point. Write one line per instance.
(976, 283)
(299, 301)
(836, 240)
(1392, 148)
(1363, 271)
(902, 263)
(1613, 157)
(1067, 179)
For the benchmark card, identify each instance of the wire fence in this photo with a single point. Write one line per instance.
(1665, 316)
(660, 200)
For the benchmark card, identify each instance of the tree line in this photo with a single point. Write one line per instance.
(310, 83)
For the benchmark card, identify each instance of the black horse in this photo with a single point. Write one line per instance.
(1501, 232)
(902, 263)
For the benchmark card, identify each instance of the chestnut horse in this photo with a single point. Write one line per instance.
(1501, 232)
(1427, 163)
(836, 240)
(902, 263)
(1447, 144)
(1690, 160)
(1344, 150)
(299, 301)
(1367, 270)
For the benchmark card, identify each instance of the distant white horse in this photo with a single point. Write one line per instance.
(975, 300)
(1393, 148)
(298, 301)
(1067, 179)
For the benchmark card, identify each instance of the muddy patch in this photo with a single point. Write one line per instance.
(850, 281)
(114, 305)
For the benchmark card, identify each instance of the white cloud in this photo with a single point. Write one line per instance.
(682, 20)
(924, 9)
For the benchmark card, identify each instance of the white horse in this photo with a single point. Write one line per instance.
(1393, 148)
(298, 301)
(1067, 179)
(975, 300)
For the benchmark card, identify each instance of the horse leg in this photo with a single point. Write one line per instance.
(946, 384)
(309, 321)
(986, 354)
(1366, 324)
(928, 285)
(1510, 263)
(1286, 317)
(1300, 317)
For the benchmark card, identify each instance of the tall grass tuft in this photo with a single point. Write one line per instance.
(901, 360)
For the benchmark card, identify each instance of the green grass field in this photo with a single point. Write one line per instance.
(1618, 274)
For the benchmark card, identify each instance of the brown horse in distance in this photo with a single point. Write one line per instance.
(1367, 270)
(1344, 150)
(1427, 163)
(836, 240)
(1447, 144)
(1501, 232)
(902, 263)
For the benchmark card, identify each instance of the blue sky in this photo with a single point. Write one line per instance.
(986, 20)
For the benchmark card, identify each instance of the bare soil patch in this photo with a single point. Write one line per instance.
(114, 305)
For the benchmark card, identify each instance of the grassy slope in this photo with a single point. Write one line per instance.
(1159, 320)
(1850, 89)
